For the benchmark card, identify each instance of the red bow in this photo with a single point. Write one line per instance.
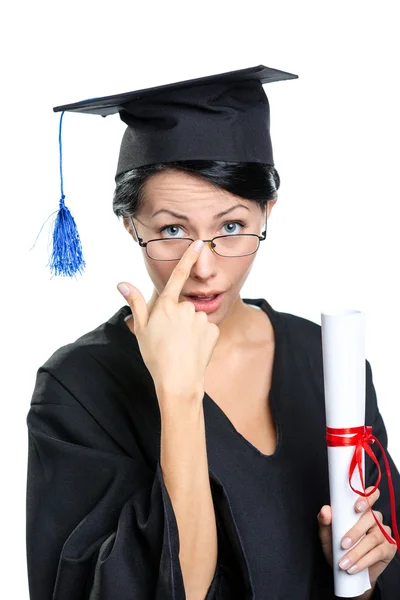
(362, 438)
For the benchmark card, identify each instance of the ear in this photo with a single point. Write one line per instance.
(128, 226)
(271, 203)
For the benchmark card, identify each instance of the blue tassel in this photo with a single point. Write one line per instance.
(66, 256)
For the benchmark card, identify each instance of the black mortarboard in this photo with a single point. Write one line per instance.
(218, 117)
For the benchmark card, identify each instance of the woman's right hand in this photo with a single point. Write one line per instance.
(175, 341)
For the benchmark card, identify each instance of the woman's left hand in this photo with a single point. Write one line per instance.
(373, 551)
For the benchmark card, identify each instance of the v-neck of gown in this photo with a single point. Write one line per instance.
(212, 410)
(272, 395)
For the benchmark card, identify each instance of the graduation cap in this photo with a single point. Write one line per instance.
(218, 117)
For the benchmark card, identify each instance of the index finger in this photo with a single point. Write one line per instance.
(181, 272)
(361, 503)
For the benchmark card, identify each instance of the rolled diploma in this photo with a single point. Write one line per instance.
(343, 351)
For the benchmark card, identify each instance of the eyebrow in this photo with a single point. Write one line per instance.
(185, 218)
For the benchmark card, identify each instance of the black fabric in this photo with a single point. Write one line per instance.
(218, 117)
(100, 523)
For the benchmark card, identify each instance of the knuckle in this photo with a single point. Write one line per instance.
(382, 550)
(354, 534)
(188, 306)
(166, 302)
(214, 332)
(378, 515)
(201, 316)
(374, 497)
(376, 537)
(215, 329)
(388, 529)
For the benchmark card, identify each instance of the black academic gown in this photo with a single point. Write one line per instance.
(100, 523)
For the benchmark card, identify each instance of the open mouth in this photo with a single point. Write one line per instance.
(204, 298)
(207, 304)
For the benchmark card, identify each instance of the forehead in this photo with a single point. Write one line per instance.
(187, 193)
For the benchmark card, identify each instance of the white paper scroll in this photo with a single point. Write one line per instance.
(343, 350)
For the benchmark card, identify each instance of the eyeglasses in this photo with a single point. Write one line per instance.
(228, 246)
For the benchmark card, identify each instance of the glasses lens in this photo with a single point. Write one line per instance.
(167, 249)
(236, 245)
(227, 245)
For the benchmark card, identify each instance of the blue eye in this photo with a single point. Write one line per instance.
(234, 223)
(177, 227)
(170, 227)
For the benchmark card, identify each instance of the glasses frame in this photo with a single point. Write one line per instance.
(211, 243)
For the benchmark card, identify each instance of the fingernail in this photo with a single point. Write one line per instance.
(123, 289)
(344, 563)
(346, 542)
(362, 505)
(352, 569)
(198, 245)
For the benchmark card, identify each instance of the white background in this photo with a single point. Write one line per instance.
(333, 237)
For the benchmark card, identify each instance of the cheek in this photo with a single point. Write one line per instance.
(158, 271)
(241, 269)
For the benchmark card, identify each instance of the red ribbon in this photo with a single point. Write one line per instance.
(362, 438)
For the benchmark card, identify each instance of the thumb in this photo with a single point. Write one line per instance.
(325, 521)
(325, 532)
(137, 303)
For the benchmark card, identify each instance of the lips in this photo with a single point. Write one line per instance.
(207, 305)
(204, 294)
(204, 298)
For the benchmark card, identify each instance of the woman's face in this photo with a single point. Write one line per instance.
(197, 201)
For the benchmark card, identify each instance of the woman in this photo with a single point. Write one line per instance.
(178, 450)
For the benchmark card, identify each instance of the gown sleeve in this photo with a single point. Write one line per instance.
(388, 583)
(100, 524)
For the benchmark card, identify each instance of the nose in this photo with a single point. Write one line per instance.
(208, 245)
(205, 265)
